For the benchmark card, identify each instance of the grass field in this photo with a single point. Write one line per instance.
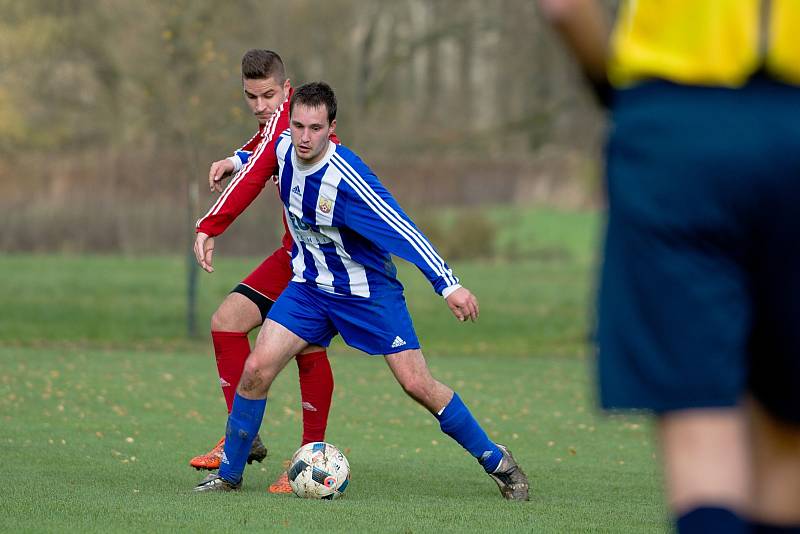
(103, 400)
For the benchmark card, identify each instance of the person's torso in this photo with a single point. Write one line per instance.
(327, 253)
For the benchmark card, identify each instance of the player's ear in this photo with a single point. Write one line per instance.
(333, 127)
(287, 85)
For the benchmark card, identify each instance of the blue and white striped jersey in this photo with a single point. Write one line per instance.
(345, 225)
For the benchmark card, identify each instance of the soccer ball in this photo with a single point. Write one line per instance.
(319, 471)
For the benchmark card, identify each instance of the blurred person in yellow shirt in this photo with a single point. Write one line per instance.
(699, 294)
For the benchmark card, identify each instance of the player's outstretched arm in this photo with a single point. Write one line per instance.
(373, 213)
(218, 172)
(244, 188)
(463, 304)
(204, 251)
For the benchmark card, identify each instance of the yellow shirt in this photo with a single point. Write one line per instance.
(705, 42)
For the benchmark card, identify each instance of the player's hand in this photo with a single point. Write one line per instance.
(463, 304)
(217, 173)
(204, 251)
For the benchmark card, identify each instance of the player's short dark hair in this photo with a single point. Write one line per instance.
(314, 95)
(260, 64)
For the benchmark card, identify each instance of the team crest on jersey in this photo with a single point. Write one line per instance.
(325, 205)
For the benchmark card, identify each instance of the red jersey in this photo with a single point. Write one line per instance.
(251, 179)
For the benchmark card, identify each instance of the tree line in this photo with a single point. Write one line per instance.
(111, 110)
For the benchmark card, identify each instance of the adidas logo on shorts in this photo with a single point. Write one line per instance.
(398, 342)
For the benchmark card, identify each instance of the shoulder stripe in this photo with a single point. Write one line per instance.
(283, 144)
(269, 131)
(393, 219)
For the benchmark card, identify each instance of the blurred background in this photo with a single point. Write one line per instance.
(111, 112)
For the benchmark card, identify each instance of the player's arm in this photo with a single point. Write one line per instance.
(375, 214)
(222, 169)
(585, 29)
(203, 243)
(244, 188)
(239, 194)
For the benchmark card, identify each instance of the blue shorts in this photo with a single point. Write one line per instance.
(699, 299)
(379, 324)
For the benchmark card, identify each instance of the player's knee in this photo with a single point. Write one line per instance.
(256, 378)
(228, 318)
(416, 386)
(220, 321)
(263, 363)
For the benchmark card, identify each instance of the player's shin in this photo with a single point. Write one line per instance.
(316, 391)
(457, 421)
(243, 424)
(231, 350)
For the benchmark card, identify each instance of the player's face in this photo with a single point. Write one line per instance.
(263, 96)
(310, 131)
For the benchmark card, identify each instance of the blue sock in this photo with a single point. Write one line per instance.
(457, 422)
(243, 424)
(710, 520)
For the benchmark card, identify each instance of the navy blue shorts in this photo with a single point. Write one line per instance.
(699, 299)
(379, 324)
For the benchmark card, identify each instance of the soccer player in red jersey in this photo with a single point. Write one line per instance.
(267, 91)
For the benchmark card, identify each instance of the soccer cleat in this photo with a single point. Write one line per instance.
(214, 482)
(211, 459)
(281, 485)
(257, 451)
(510, 478)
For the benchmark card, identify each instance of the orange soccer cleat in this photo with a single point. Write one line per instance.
(281, 485)
(212, 458)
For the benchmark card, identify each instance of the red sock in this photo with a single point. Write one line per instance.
(316, 390)
(231, 350)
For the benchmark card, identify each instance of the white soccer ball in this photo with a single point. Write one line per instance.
(319, 471)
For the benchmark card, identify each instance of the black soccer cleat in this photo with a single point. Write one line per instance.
(257, 451)
(510, 478)
(214, 482)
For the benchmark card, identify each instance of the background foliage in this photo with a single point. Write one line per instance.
(110, 110)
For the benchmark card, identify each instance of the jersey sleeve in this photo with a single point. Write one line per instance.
(372, 212)
(240, 157)
(249, 181)
(254, 141)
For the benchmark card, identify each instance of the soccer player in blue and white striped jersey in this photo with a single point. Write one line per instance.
(345, 225)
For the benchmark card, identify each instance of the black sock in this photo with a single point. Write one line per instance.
(708, 520)
(757, 527)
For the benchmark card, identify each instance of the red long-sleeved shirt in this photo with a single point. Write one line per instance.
(251, 179)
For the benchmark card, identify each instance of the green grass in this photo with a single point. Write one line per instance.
(544, 233)
(103, 401)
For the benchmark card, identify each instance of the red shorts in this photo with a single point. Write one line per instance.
(271, 277)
